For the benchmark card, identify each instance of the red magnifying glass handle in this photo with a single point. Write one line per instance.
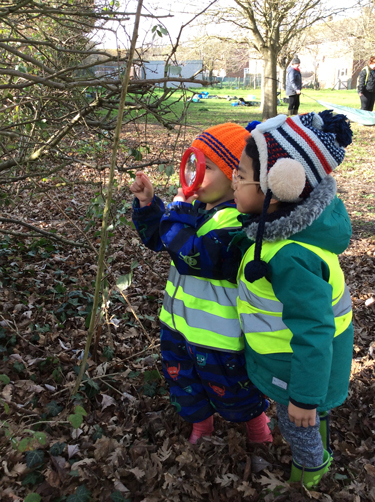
(190, 184)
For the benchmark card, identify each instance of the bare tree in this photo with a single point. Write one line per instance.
(269, 26)
(52, 92)
(216, 53)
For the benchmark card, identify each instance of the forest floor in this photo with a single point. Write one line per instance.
(119, 439)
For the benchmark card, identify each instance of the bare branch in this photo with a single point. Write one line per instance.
(43, 232)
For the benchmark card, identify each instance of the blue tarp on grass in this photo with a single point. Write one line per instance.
(360, 116)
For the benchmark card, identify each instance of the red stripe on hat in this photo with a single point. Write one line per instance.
(310, 142)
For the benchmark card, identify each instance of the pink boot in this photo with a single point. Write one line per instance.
(258, 430)
(200, 429)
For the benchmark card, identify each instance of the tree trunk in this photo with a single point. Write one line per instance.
(269, 84)
(283, 79)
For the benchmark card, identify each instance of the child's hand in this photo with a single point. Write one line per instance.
(142, 188)
(180, 197)
(300, 416)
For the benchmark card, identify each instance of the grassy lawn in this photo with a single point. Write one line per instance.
(217, 110)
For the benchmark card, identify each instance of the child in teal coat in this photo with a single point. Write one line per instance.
(293, 303)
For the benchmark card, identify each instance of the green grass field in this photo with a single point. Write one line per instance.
(217, 110)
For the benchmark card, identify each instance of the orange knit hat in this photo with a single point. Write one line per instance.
(223, 145)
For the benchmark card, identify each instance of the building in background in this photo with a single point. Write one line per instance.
(184, 69)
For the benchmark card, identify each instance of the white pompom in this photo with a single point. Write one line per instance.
(287, 179)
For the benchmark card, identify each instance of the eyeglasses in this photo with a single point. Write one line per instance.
(237, 182)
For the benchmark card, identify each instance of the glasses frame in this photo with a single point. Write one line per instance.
(236, 181)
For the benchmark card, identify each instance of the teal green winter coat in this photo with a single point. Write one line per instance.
(317, 372)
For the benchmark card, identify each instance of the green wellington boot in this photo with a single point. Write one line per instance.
(310, 475)
(324, 430)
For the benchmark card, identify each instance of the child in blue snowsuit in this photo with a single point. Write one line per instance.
(201, 340)
(293, 303)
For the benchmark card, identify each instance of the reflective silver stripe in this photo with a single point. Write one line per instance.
(204, 290)
(173, 274)
(258, 302)
(261, 323)
(229, 328)
(344, 305)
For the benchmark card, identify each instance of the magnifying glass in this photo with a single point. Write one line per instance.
(192, 170)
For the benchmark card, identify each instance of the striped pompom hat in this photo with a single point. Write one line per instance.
(223, 145)
(297, 152)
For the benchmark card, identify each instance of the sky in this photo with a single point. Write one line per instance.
(179, 14)
(182, 13)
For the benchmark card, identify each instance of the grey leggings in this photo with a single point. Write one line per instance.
(305, 442)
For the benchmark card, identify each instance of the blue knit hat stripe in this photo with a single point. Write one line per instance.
(318, 143)
(299, 153)
(219, 149)
(313, 147)
(328, 139)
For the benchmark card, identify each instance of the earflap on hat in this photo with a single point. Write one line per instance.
(257, 268)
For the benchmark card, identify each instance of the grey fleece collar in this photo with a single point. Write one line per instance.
(301, 217)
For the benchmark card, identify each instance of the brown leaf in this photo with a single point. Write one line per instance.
(370, 469)
(138, 473)
(248, 491)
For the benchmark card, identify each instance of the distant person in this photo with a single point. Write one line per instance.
(293, 85)
(366, 85)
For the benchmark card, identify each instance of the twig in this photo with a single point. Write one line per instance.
(141, 166)
(43, 232)
(22, 410)
(16, 330)
(90, 245)
(135, 315)
(142, 351)
(18, 234)
(103, 241)
(113, 388)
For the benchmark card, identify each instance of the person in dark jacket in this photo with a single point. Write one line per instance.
(366, 85)
(293, 85)
(293, 303)
(202, 346)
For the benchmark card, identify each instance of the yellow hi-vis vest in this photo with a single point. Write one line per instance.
(367, 74)
(203, 310)
(261, 312)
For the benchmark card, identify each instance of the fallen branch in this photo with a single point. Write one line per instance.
(55, 237)
(141, 166)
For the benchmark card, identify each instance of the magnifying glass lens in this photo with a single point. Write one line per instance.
(191, 169)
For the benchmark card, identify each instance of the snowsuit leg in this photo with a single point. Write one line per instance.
(202, 381)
